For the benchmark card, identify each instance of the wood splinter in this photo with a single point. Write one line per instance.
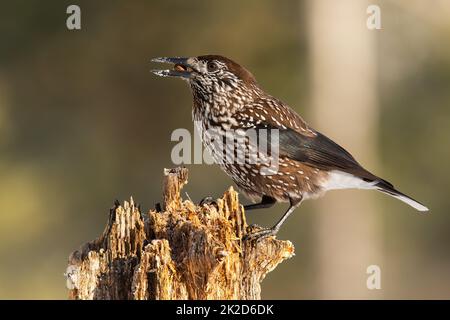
(185, 252)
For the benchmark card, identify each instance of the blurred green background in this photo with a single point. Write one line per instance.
(84, 122)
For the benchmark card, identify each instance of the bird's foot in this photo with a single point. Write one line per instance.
(259, 234)
(207, 200)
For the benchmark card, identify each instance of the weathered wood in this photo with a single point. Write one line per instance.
(185, 252)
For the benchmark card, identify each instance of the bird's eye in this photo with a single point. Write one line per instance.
(212, 66)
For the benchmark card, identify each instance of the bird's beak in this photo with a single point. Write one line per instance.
(182, 67)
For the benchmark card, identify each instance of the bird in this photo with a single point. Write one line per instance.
(232, 111)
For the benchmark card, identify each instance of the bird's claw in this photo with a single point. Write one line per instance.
(259, 235)
(207, 200)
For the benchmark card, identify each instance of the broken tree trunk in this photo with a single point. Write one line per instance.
(186, 251)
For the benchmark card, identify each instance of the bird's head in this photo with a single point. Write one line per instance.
(210, 76)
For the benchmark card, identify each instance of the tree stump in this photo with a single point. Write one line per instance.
(186, 251)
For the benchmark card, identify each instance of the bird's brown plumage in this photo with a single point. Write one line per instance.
(229, 102)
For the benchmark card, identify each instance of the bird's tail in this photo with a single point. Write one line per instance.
(386, 187)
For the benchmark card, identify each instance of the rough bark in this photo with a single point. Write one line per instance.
(185, 252)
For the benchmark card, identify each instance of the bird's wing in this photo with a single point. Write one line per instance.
(299, 142)
(318, 151)
(271, 111)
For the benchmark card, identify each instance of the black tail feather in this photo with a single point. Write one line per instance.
(386, 187)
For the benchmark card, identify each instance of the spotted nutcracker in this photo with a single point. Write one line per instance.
(228, 99)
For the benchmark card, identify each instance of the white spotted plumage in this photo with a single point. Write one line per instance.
(228, 99)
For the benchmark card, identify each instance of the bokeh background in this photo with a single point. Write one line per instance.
(84, 122)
